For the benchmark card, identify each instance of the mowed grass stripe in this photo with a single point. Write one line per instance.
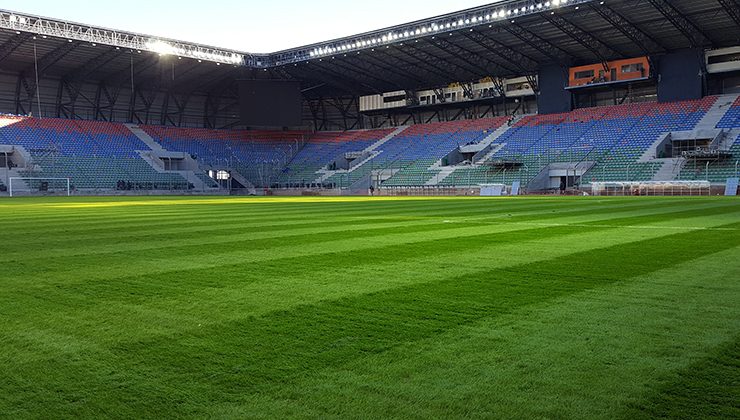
(475, 253)
(158, 305)
(227, 361)
(708, 388)
(71, 221)
(236, 290)
(75, 242)
(534, 216)
(256, 208)
(255, 290)
(101, 244)
(149, 261)
(320, 210)
(662, 345)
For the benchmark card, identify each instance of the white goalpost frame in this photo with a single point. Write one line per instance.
(10, 182)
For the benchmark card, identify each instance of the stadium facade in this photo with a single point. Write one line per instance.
(587, 91)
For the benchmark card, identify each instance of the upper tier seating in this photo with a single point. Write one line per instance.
(94, 155)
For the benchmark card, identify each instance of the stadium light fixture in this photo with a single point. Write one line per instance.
(160, 47)
(397, 35)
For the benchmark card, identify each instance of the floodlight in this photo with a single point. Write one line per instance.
(160, 47)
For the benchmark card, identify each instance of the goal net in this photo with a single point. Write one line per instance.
(39, 186)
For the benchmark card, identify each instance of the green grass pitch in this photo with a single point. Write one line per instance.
(370, 308)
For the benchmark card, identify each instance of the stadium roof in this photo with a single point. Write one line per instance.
(505, 39)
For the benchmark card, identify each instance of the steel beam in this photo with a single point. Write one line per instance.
(548, 49)
(732, 8)
(638, 37)
(12, 44)
(687, 28)
(597, 47)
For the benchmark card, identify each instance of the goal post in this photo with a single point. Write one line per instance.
(35, 185)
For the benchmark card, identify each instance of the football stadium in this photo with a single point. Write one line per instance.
(525, 209)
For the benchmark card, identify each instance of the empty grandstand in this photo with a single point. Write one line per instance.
(552, 96)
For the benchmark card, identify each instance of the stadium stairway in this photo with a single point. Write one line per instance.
(325, 174)
(443, 173)
(650, 154)
(244, 181)
(387, 138)
(490, 148)
(371, 151)
(729, 139)
(192, 176)
(670, 170)
(146, 138)
(197, 178)
(717, 112)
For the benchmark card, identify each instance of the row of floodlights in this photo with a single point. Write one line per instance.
(434, 28)
(165, 48)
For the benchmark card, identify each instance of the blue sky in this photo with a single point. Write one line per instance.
(249, 25)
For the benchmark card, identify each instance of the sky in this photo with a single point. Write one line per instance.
(256, 26)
